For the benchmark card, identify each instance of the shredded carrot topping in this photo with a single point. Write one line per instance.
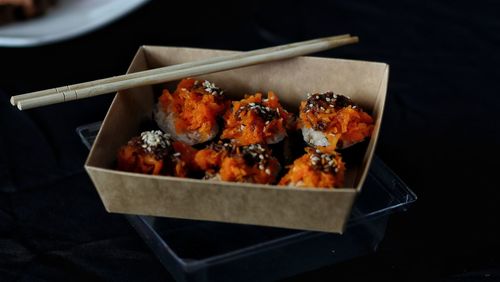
(315, 169)
(210, 158)
(153, 152)
(183, 159)
(132, 159)
(254, 120)
(236, 169)
(144, 153)
(196, 105)
(252, 164)
(343, 122)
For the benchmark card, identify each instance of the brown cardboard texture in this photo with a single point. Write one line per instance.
(266, 205)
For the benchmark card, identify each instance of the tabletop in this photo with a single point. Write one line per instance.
(440, 134)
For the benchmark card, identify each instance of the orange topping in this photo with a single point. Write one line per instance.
(336, 116)
(236, 169)
(145, 153)
(253, 164)
(316, 169)
(196, 105)
(255, 120)
(134, 160)
(210, 158)
(183, 158)
(154, 152)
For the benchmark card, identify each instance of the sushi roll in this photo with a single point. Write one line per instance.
(209, 159)
(228, 162)
(182, 159)
(255, 120)
(250, 164)
(330, 121)
(315, 169)
(190, 113)
(155, 153)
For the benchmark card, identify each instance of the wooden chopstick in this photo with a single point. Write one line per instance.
(15, 99)
(169, 73)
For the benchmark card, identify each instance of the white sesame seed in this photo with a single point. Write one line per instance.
(268, 171)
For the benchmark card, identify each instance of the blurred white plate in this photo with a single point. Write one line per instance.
(68, 18)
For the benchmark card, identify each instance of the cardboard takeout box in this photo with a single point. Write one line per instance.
(267, 205)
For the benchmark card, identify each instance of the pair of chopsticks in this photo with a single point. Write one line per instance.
(169, 73)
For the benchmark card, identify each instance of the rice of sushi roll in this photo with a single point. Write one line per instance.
(315, 169)
(155, 153)
(190, 113)
(330, 121)
(255, 120)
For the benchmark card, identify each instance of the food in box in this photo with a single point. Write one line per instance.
(312, 209)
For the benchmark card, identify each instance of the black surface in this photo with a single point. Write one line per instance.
(440, 134)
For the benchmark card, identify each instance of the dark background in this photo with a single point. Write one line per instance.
(440, 134)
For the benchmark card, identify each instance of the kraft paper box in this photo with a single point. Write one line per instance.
(266, 205)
